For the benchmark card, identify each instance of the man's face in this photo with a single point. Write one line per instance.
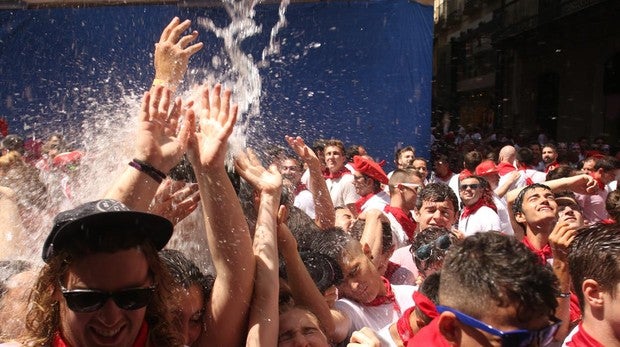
(334, 158)
(290, 171)
(362, 281)
(538, 206)
(536, 151)
(344, 219)
(569, 211)
(409, 192)
(405, 159)
(588, 166)
(363, 184)
(110, 325)
(440, 214)
(470, 191)
(299, 328)
(549, 155)
(501, 318)
(420, 166)
(442, 168)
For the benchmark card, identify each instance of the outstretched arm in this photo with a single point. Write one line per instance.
(172, 53)
(227, 231)
(160, 144)
(263, 322)
(323, 205)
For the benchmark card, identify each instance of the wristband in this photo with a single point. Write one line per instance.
(564, 295)
(145, 167)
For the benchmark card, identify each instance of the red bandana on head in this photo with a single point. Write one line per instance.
(141, 339)
(403, 218)
(425, 305)
(543, 254)
(329, 175)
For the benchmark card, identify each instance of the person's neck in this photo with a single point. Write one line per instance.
(335, 170)
(537, 237)
(597, 327)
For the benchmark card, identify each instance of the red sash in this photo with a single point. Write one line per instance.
(404, 219)
(504, 168)
(361, 201)
(387, 298)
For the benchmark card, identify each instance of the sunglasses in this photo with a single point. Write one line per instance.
(413, 186)
(472, 186)
(513, 338)
(425, 251)
(90, 300)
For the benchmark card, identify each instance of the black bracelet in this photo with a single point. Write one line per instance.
(148, 169)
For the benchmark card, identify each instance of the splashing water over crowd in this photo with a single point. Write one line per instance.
(106, 134)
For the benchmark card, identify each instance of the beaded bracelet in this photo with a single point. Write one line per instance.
(148, 169)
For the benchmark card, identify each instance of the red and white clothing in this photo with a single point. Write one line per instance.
(341, 189)
(402, 223)
(373, 201)
(578, 337)
(408, 271)
(376, 317)
(483, 219)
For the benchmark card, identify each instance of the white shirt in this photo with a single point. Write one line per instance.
(483, 220)
(304, 200)
(342, 190)
(377, 201)
(376, 317)
(504, 218)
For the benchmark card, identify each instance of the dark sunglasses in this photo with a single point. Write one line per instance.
(472, 186)
(90, 300)
(513, 338)
(426, 250)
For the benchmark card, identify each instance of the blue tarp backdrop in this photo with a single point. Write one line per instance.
(359, 71)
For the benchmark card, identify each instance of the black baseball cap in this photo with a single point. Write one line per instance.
(91, 221)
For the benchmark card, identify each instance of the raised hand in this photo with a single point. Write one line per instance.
(159, 139)
(216, 119)
(175, 200)
(172, 52)
(249, 167)
(303, 151)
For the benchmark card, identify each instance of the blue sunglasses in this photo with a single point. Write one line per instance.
(513, 338)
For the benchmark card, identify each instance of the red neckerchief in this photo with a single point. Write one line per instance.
(552, 166)
(469, 210)
(464, 174)
(403, 327)
(426, 305)
(329, 175)
(299, 188)
(387, 298)
(141, 339)
(574, 308)
(404, 219)
(583, 339)
(390, 269)
(543, 254)
(528, 179)
(599, 183)
(429, 336)
(504, 168)
(361, 201)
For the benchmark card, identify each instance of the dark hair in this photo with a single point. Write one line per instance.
(595, 254)
(183, 171)
(471, 160)
(430, 288)
(437, 192)
(606, 163)
(401, 150)
(428, 236)
(612, 205)
(324, 270)
(185, 273)
(559, 172)
(496, 269)
(335, 143)
(357, 229)
(526, 156)
(517, 206)
(550, 145)
(333, 242)
(352, 151)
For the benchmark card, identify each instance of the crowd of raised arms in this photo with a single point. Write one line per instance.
(491, 241)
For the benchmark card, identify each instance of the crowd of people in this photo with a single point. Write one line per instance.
(489, 242)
